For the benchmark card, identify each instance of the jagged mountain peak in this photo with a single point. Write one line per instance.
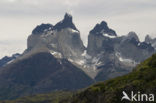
(133, 35)
(104, 24)
(67, 22)
(103, 28)
(63, 39)
(131, 38)
(68, 16)
(148, 39)
(59, 55)
(41, 28)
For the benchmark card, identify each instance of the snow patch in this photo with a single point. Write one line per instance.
(71, 60)
(107, 35)
(50, 28)
(126, 60)
(85, 55)
(10, 61)
(139, 44)
(53, 45)
(56, 54)
(95, 63)
(73, 31)
(80, 62)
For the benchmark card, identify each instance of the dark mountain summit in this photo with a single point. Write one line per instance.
(63, 40)
(65, 23)
(103, 28)
(151, 41)
(148, 39)
(132, 36)
(42, 28)
(147, 46)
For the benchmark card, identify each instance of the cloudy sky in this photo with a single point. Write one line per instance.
(19, 17)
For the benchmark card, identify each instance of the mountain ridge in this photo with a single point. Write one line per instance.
(110, 91)
(66, 60)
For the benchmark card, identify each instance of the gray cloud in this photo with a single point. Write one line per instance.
(19, 17)
(87, 7)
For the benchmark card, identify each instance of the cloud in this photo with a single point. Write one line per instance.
(9, 47)
(19, 17)
(11, 1)
(87, 7)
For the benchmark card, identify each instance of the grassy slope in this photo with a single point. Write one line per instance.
(53, 97)
(142, 79)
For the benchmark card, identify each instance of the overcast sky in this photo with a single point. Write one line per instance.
(19, 17)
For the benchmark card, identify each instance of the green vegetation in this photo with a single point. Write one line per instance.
(142, 78)
(53, 97)
(40, 73)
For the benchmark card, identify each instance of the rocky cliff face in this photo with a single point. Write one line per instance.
(44, 66)
(56, 58)
(100, 33)
(131, 47)
(62, 40)
(115, 55)
(107, 54)
(151, 41)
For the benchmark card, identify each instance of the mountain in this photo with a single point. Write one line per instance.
(6, 60)
(65, 23)
(150, 40)
(62, 40)
(40, 29)
(103, 28)
(142, 80)
(44, 66)
(56, 59)
(115, 55)
(40, 73)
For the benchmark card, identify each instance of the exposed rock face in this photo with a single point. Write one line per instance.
(103, 28)
(63, 39)
(151, 41)
(131, 36)
(6, 60)
(115, 55)
(65, 23)
(148, 39)
(56, 58)
(107, 55)
(99, 39)
(40, 29)
(131, 47)
(44, 65)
